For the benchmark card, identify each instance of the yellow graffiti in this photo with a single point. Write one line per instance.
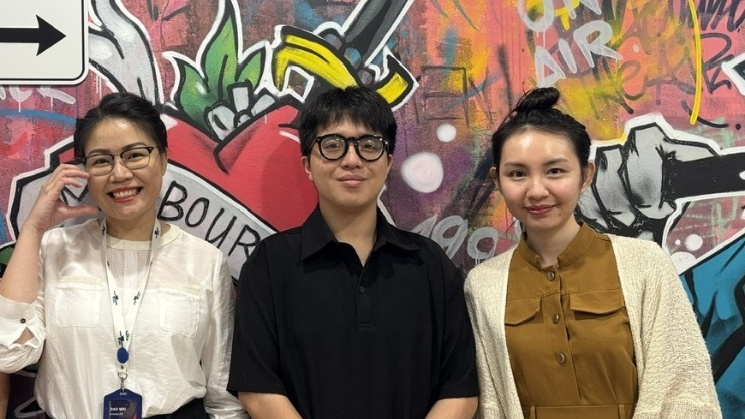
(699, 63)
(394, 88)
(563, 14)
(312, 54)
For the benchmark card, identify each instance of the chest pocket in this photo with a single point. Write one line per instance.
(77, 301)
(596, 303)
(521, 311)
(180, 310)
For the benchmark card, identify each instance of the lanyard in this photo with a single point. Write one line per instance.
(123, 327)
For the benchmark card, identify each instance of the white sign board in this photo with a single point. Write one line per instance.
(43, 42)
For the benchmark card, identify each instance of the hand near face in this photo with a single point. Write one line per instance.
(49, 209)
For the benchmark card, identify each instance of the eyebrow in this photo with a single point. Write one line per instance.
(367, 134)
(548, 163)
(125, 148)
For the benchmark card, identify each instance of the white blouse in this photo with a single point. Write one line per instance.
(181, 341)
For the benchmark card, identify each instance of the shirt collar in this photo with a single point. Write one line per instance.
(94, 228)
(316, 235)
(578, 247)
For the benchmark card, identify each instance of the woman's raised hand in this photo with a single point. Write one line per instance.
(49, 208)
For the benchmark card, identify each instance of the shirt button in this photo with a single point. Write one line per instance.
(561, 358)
(362, 289)
(23, 321)
(556, 318)
(551, 276)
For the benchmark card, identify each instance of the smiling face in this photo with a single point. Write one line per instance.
(541, 180)
(350, 184)
(127, 197)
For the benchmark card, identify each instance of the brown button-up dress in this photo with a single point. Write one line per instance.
(568, 333)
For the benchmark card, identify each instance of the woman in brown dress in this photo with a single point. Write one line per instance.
(571, 323)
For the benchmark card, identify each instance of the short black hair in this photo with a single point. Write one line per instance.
(122, 105)
(357, 104)
(535, 111)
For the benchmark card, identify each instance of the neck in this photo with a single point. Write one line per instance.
(134, 230)
(356, 228)
(550, 244)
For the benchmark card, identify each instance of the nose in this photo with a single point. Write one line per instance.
(120, 171)
(351, 158)
(537, 189)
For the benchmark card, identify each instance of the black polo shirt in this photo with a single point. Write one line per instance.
(342, 340)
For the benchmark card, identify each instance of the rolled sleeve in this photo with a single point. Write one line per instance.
(15, 318)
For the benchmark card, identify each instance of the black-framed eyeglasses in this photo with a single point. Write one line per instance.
(101, 164)
(335, 146)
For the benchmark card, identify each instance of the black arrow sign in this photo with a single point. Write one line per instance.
(45, 35)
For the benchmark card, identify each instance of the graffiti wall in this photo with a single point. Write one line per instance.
(659, 85)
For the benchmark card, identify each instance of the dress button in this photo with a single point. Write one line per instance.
(561, 358)
(362, 289)
(551, 276)
(556, 318)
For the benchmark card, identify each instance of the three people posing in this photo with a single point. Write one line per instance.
(346, 316)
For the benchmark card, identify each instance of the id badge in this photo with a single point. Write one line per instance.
(122, 404)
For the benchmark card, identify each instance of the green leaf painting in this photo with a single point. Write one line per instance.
(202, 89)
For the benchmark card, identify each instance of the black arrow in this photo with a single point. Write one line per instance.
(45, 35)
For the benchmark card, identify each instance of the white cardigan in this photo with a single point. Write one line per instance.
(673, 365)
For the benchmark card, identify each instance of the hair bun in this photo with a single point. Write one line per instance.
(542, 98)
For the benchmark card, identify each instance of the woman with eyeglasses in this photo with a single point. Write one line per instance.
(127, 317)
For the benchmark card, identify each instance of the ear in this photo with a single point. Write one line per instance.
(305, 161)
(390, 163)
(163, 160)
(588, 175)
(494, 175)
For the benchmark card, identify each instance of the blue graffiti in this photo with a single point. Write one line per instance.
(716, 287)
(34, 114)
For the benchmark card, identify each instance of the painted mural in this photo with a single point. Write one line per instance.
(659, 85)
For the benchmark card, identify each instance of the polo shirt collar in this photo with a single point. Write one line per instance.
(316, 235)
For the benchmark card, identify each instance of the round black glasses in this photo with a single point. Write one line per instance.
(335, 146)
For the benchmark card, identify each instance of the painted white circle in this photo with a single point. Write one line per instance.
(423, 172)
(682, 260)
(446, 133)
(694, 242)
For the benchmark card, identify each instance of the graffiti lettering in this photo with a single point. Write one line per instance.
(549, 13)
(488, 235)
(179, 205)
(712, 11)
(592, 39)
(450, 233)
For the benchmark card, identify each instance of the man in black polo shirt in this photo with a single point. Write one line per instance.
(348, 316)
